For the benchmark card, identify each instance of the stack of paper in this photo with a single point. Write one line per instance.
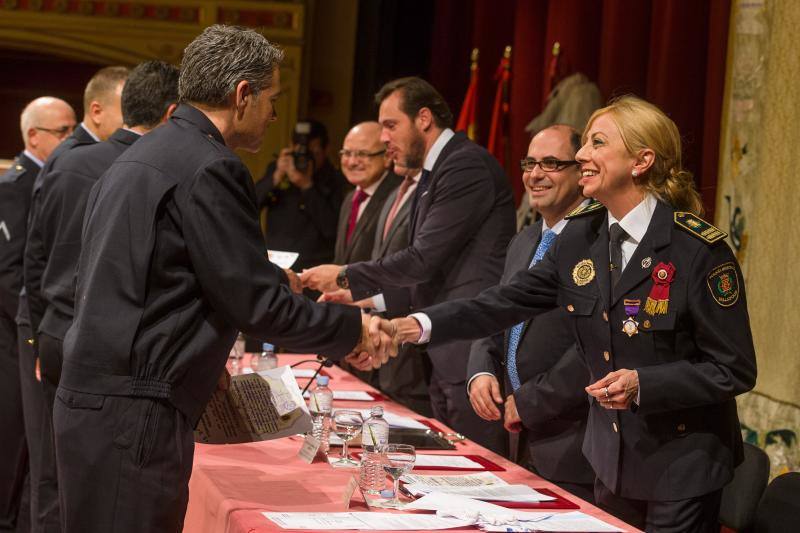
(448, 461)
(463, 480)
(366, 521)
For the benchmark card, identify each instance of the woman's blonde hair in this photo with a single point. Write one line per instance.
(643, 125)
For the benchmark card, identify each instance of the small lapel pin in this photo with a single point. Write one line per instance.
(646, 262)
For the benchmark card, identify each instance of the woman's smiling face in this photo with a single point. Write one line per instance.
(606, 164)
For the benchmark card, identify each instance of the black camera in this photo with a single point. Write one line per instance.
(301, 156)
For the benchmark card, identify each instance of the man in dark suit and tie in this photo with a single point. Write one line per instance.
(365, 165)
(543, 377)
(462, 218)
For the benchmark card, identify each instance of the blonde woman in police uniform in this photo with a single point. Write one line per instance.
(660, 317)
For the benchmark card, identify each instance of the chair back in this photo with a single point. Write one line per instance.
(740, 497)
(779, 510)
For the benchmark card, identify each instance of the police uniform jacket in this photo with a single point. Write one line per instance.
(684, 439)
(551, 401)
(34, 243)
(16, 184)
(57, 229)
(172, 265)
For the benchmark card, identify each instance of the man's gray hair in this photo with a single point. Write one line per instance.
(219, 58)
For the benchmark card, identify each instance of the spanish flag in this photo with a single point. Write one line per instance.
(467, 118)
(498, 133)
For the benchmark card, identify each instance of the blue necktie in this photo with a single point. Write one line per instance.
(515, 334)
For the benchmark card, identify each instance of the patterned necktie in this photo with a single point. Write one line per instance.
(615, 237)
(358, 197)
(422, 187)
(515, 333)
(407, 183)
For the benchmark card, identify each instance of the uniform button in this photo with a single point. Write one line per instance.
(606, 356)
(681, 427)
(30, 341)
(614, 425)
(570, 308)
(605, 316)
(646, 324)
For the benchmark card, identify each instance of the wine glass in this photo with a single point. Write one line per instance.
(347, 424)
(398, 460)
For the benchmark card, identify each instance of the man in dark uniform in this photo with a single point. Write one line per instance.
(102, 116)
(543, 383)
(44, 122)
(172, 265)
(149, 95)
(303, 203)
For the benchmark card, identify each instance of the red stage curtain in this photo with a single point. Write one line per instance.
(671, 52)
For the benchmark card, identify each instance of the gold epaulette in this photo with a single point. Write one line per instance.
(698, 227)
(581, 210)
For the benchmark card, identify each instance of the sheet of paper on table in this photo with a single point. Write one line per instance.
(303, 372)
(395, 420)
(465, 480)
(348, 395)
(497, 493)
(574, 521)
(449, 461)
(256, 407)
(364, 521)
(438, 501)
(282, 259)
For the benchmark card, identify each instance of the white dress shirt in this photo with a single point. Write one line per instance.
(369, 192)
(90, 132)
(33, 158)
(635, 224)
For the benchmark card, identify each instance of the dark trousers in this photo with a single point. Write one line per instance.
(50, 358)
(32, 403)
(692, 515)
(123, 463)
(13, 450)
(451, 405)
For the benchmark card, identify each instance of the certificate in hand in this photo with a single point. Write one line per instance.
(262, 406)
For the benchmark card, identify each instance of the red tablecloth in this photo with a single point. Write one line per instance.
(232, 484)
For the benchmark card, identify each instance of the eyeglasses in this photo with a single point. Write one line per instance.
(547, 165)
(360, 154)
(59, 133)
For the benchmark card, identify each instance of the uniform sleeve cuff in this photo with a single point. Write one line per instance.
(425, 324)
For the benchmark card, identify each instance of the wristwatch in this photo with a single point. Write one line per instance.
(341, 279)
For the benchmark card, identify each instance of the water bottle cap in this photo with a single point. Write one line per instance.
(322, 381)
(267, 347)
(376, 410)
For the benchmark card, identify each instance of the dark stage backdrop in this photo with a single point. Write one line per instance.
(671, 52)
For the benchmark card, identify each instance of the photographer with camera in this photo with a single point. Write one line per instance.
(302, 193)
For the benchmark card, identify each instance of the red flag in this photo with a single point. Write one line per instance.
(552, 71)
(467, 118)
(498, 133)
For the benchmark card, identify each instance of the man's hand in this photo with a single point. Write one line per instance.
(512, 422)
(377, 340)
(321, 278)
(484, 393)
(407, 330)
(224, 382)
(285, 169)
(361, 361)
(617, 390)
(341, 296)
(294, 281)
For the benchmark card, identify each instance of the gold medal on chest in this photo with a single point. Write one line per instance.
(583, 272)
(630, 327)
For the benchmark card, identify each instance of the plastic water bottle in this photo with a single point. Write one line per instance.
(374, 434)
(320, 406)
(266, 360)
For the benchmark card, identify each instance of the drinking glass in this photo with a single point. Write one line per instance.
(347, 424)
(398, 460)
(236, 354)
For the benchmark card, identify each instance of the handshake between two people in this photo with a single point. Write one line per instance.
(380, 339)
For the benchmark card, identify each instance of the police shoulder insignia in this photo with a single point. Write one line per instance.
(15, 171)
(698, 227)
(723, 282)
(581, 210)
